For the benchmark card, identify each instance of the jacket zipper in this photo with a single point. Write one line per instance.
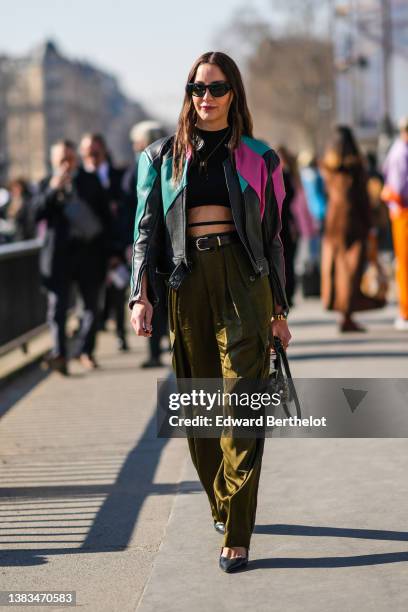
(183, 202)
(139, 278)
(251, 257)
(272, 270)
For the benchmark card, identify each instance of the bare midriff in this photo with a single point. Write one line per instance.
(209, 212)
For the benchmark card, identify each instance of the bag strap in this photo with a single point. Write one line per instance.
(281, 354)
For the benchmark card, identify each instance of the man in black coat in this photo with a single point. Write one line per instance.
(76, 249)
(96, 159)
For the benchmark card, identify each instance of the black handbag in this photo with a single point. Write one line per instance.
(281, 381)
(84, 223)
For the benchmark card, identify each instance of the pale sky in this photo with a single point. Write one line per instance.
(148, 45)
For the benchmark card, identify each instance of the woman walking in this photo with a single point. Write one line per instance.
(290, 232)
(346, 231)
(208, 215)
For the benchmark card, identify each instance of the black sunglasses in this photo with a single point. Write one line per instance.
(217, 89)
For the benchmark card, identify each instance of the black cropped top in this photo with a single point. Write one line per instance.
(207, 185)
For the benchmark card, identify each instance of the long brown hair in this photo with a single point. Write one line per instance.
(239, 117)
(342, 152)
(343, 156)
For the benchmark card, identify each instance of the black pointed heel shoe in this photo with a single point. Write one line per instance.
(231, 565)
(219, 527)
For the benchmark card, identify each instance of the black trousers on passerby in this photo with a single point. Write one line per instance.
(115, 302)
(58, 304)
(290, 247)
(83, 266)
(160, 327)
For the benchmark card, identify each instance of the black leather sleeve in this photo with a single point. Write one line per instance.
(148, 231)
(271, 227)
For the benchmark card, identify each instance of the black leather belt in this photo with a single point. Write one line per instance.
(209, 242)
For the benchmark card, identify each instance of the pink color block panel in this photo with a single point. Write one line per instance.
(252, 168)
(278, 186)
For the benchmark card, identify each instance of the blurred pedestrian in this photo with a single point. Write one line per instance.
(96, 159)
(290, 232)
(379, 210)
(315, 193)
(75, 249)
(395, 194)
(17, 215)
(347, 228)
(142, 135)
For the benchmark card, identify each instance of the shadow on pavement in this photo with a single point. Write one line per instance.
(333, 322)
(115, 507)
(357, 560)
(335, 532)
(349, 355)
(348, 340)
(13, 391)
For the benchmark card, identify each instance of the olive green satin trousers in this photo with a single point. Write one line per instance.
(219, 323)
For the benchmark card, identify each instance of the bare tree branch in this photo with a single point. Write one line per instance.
(288, 70)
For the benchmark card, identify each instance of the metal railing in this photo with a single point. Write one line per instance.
(23, 306)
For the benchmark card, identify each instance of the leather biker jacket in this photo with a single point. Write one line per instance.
(255, 185)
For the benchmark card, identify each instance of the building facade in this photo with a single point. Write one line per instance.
(371, 58)
(46, 96)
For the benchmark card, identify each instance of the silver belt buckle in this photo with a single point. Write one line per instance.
(197, 242)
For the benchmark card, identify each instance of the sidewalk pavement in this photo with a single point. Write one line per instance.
(94, 502)
(331, 523)
(86, 488)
